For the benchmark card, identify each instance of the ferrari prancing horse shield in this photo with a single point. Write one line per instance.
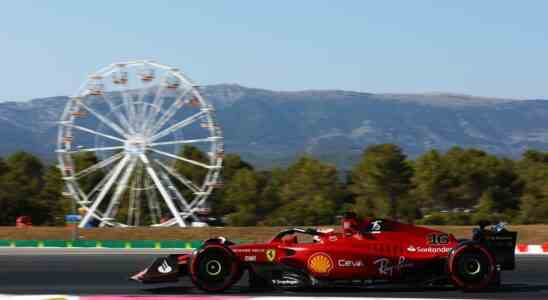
(270, 254)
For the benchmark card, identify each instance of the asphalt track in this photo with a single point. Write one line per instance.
(106, 274)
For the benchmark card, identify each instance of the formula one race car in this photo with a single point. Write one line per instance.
(365, 253)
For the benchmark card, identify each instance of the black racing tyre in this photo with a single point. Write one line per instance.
(215, 268)
(471, 267)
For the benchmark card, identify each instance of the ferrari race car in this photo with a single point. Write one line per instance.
(366, 253)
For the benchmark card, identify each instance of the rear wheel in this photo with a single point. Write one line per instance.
(471, 267)
(215, 268)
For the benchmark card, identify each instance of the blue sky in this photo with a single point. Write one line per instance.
(488, 48)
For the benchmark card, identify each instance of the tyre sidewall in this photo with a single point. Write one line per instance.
(229, 273)
(472, 251)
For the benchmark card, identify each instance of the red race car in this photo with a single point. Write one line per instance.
(366, 252)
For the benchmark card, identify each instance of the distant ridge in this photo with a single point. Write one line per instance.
(272, 127)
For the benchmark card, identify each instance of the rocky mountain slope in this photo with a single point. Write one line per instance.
(271, 127)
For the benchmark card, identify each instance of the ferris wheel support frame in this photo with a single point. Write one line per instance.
(140, 126)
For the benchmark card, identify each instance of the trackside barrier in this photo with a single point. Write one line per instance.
(23, 243)
(115, 244)
(54, 244)
(82, 244)
(144, 244)
(172, 244)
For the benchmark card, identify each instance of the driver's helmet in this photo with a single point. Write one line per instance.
(350, 223)
(289, 239)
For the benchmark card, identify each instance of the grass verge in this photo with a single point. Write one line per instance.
(529, 234)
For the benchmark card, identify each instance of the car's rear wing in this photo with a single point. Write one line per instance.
(500, 241)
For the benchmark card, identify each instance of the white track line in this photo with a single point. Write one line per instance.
(193, 297)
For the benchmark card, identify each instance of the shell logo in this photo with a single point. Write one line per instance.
(320, 263)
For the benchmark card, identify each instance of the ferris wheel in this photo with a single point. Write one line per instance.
(121, 147)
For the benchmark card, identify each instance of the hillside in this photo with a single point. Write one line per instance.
(270, 127)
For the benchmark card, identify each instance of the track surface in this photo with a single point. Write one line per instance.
(107, 274)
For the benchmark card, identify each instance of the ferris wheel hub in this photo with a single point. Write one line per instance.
(135, 145)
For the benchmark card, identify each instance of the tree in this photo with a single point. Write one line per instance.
(232, 164)
(21, 185)
(242, 195)
(3, 167)
(310, 194)
(472, 172)
(534, 156)
(55, 205)
(83, 161)
(468, 177)
(485, 208)
(270, 194)
(533, 170)
(431, 180)
(381, 181)
(192, 172)
(505, 185)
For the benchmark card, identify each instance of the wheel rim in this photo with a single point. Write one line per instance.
(213, 267)
(472, 267)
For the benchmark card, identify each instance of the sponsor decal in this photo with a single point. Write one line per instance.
(376, 226)
(428, 249)
(271, 254)
(438, 238)
(164, 268)
(499, 238)
(285, 282)
(433, 249)
(347, 263)
(320, 263)
(245, 250)
(250, 258)
(387, 268)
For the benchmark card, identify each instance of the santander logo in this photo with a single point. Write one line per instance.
(428, 249)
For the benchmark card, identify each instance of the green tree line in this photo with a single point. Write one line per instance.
(459, 186)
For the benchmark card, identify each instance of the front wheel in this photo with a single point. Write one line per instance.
(471, 267)
(215, 268)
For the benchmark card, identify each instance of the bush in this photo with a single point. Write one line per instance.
(434, 219)
(494, 218)
(459, 218)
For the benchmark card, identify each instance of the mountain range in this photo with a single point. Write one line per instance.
(270, 128)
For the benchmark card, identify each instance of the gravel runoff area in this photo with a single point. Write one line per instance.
(528, 234)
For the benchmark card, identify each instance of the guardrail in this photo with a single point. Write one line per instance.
(115, 244)
(171, 244)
